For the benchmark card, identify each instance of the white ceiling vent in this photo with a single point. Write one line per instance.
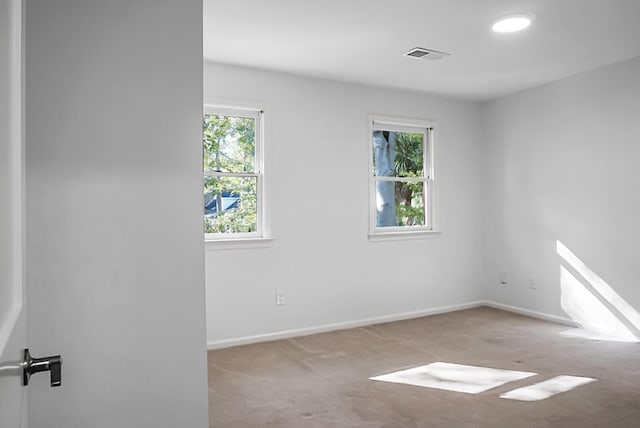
(422, 53)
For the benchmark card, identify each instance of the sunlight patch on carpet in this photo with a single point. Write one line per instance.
(598, 335)
(454, 377)
(547, 388)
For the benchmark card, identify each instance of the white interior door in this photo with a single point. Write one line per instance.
(113, 212)
(106, 243)
(13, 334)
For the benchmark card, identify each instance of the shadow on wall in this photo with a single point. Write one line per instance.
(601, 312)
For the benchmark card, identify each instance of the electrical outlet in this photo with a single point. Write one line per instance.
(532, 285)
(279, 298)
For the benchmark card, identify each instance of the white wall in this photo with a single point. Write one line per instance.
(317, 170)
(561, 163)
(114, 212)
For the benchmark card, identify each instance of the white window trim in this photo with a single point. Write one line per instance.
(261, 237)
(430, 229)
(238, 243)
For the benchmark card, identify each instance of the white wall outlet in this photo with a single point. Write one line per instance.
(279, 298)
(503, 278)
(532, 285)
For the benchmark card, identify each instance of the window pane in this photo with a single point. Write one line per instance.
(230, 204)
(397, 154)
(399, 203)
(228, 143)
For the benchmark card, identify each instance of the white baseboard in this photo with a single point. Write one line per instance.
(287, 334)
(530, 313)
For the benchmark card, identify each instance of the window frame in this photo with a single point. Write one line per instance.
(427, 129)
(258, 172)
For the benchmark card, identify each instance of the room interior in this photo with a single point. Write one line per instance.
(534, 156)
(535, 206)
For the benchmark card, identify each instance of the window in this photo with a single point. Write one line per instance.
(233, 182)
(401, 177)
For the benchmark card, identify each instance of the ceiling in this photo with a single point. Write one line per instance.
(363, 41)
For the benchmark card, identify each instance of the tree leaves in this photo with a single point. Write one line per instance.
(228, 143)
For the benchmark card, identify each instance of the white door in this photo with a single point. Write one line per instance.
(13, 336)
(111, 228)
(113, 212)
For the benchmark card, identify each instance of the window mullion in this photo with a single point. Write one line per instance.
(230, 174)
(402, 179)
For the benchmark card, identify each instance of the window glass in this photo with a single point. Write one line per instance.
(402, 157)
(230, 204)
(229, 143)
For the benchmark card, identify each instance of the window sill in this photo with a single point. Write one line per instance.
(237, 243)
(400, 235)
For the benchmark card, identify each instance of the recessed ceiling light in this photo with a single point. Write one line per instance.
(512, 23)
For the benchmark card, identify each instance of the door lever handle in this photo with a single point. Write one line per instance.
(35, 365)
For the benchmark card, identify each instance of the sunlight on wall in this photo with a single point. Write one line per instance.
(592, 303)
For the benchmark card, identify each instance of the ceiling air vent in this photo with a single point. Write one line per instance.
(422, 53)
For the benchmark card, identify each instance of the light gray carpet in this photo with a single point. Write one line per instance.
(323, 380)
